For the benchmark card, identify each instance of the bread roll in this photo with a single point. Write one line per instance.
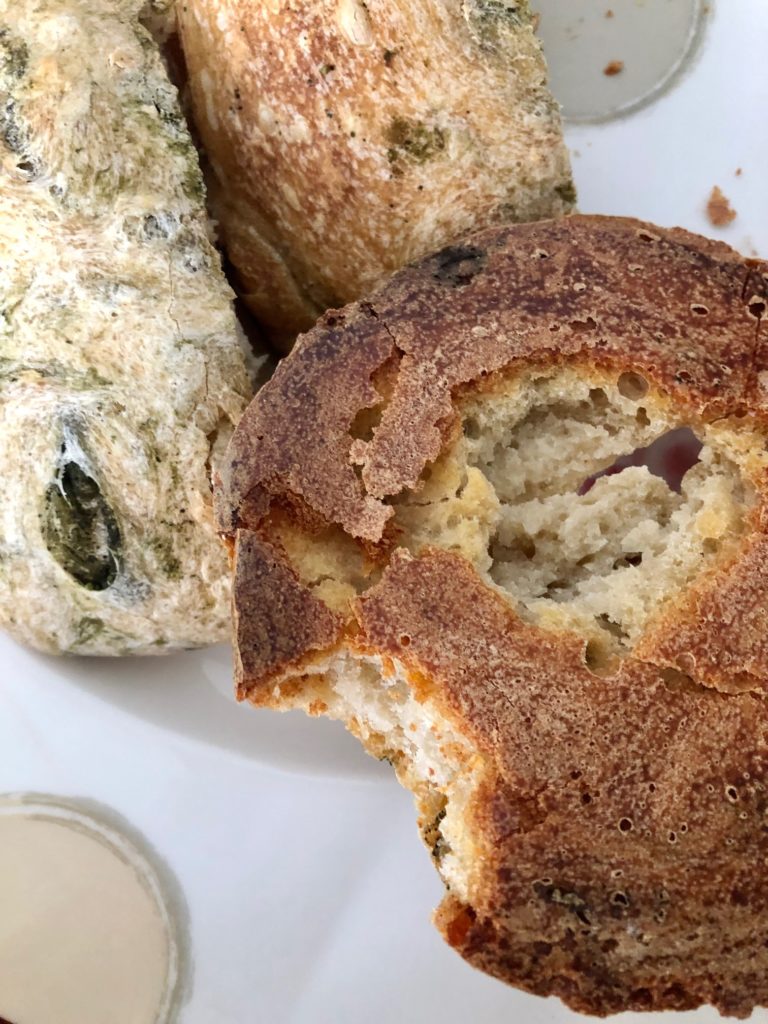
(348, 138)
(565, 663)
(121, 369)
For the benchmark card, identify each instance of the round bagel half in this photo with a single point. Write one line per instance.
(450, 532)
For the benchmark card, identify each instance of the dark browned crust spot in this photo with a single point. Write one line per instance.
(277, 621)
(624, 816)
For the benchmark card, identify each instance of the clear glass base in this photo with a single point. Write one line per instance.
(607, 58)
(86, 933)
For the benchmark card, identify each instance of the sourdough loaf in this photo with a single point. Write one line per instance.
(347, 138)
(121, 365)
(567, 664)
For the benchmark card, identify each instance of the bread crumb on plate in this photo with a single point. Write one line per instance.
(719, 209)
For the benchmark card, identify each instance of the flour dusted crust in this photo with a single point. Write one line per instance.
(121, 366)
(347, 138)
(582, 720)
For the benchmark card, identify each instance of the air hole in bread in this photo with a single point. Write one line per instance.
(632, 385)
(28, 169)
(383, 381)
(365, 423)
(587, 511)
(679, 682)
(581, 326)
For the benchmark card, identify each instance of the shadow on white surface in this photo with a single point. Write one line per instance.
(191, 694)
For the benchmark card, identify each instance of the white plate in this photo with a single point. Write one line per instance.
(307, 890)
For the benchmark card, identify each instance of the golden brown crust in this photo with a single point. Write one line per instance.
(342, 135)
(606, 291)
(720, 635)
(290, 622)
(622, 817)
(624, 820)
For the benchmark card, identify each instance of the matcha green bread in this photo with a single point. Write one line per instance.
(121, 365)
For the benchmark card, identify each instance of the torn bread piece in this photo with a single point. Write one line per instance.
(346, 139)
(446, 535)
(122, 367)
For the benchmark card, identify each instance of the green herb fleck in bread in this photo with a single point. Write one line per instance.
(122, 370)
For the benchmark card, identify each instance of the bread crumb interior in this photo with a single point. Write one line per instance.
(376, 700)
(521, 495)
